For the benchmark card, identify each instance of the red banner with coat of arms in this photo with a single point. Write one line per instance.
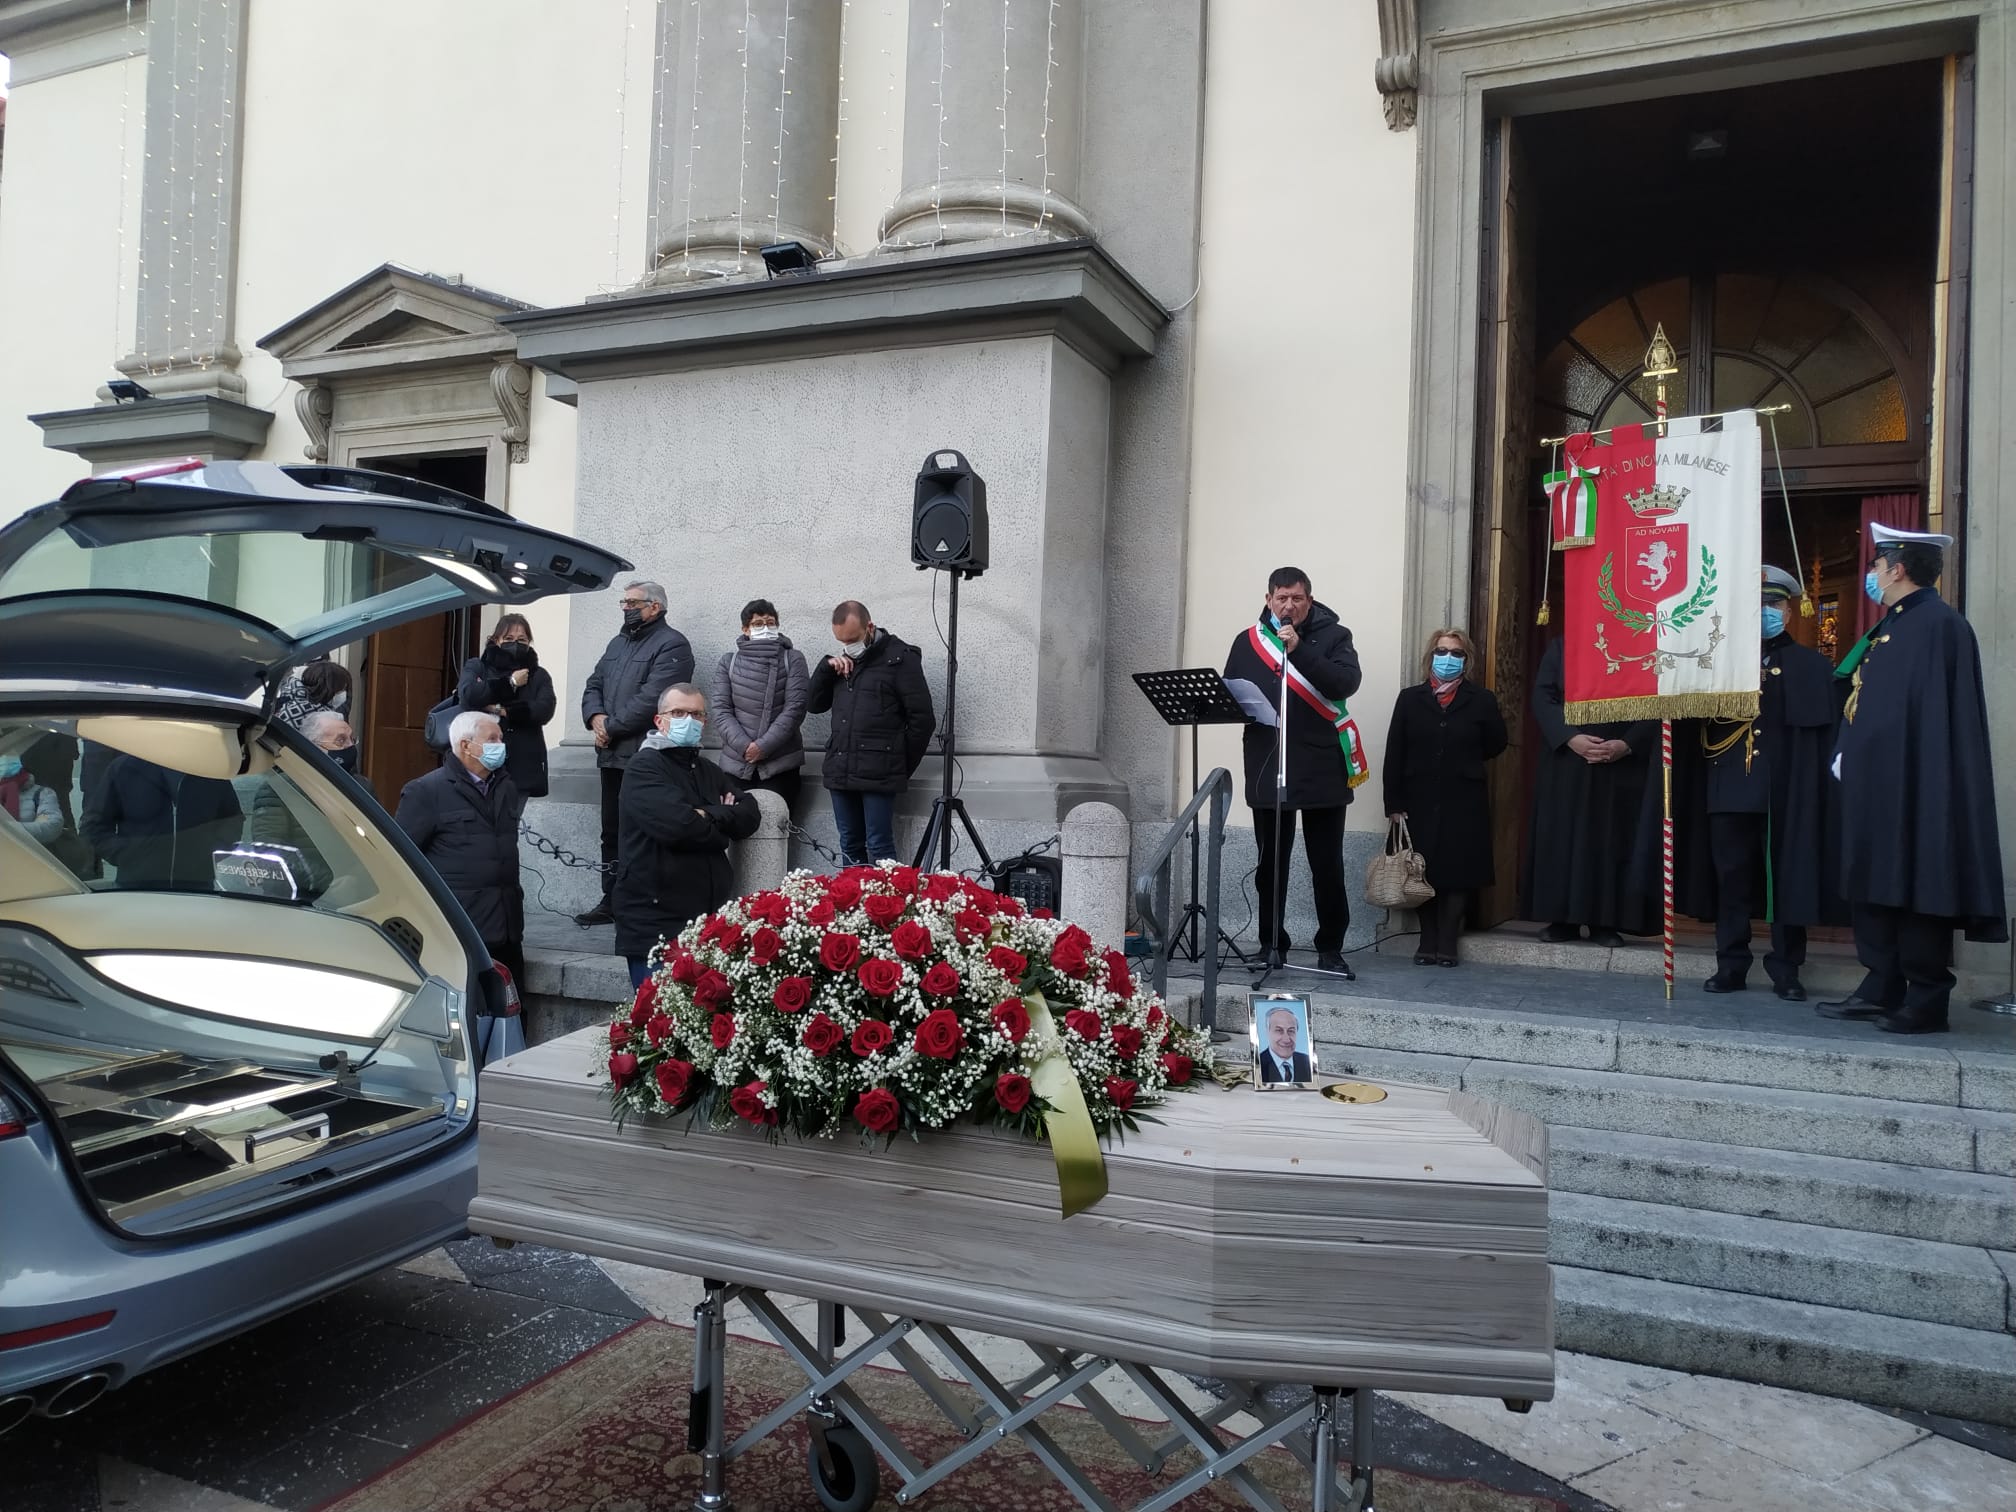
(1660, 616)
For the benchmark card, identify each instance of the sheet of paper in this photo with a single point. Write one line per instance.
(1258, 706)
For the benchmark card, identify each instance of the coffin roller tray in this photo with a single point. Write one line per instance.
(1277, 1236)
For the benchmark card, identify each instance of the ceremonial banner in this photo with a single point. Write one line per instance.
(1661, 607)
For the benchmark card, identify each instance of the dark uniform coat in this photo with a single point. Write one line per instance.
(1434, 774)
(1317, 774)
(1784, 777)
(1917, 785)
(673, 844)
(1588, 860)
(471, 838)
(882, 717)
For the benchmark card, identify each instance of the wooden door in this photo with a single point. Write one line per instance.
(403, 678)
(1503, 610)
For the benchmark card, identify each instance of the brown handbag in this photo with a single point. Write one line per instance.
(1398, 875)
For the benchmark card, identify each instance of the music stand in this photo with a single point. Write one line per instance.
(1193, 696)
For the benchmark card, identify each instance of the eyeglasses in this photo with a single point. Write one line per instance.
(630, 603)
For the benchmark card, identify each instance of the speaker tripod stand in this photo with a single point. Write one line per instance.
(948, 807)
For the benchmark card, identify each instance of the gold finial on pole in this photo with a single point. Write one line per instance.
(1660, 364)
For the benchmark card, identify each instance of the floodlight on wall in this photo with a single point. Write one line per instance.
(788, 259)
(123, 389)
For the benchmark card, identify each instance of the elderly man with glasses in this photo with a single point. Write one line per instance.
(619, 705)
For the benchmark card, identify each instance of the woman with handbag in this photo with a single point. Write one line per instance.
(1444, 729)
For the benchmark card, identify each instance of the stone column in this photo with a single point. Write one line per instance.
(1097, 889)
(745, 111)
(992, 122)
(189, 201)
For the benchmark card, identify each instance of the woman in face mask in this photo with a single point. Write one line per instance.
(508, 682)
(1445, 727)
(36, 808)
(320, 687)
(758, 704)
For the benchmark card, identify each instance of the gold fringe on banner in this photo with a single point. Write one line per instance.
(1544, 615)
(1662, 706)
(1567, 541)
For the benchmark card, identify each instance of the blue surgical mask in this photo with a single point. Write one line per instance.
(1447, 667)
(10, 768)
(1869, 586)
(682, 730)
(1274, 619)
(492, 755)
(1773, 622)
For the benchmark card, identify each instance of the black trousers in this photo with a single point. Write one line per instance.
(784, 784)
(1908, 958)
(1323, 844)
(612, 801)
(1736, 847)
(1441, 920)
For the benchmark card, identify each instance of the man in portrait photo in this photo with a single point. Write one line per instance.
(1281, 1032)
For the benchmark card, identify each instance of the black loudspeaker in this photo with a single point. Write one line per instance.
(948, 521)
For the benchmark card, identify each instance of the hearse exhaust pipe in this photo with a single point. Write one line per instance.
(14, 1411)
(75, 1394)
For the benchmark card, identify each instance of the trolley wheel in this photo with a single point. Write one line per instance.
(857, 1474)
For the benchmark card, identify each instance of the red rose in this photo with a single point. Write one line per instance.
(1042, 913)
(880, 977)
(1121, 1091)
(1010, 963)
(1005, 903)
(821, 913)
(622, 1068)
(1178, 1067)
(619, 1033)
(722, 1030)
(845, 891)
(941, 980)
(884, 908)
(940, 1036)
(1085, 1023)
(911, 940)
(839, 952)
(1119, 981)
(658, 1028)
(712, 990)
(1070, 954)
(969, 924)
(674, 1079)
(685, 968)
(1012, 1019)
(877, 1110)
(940, 886)
(904, 880)
(1155, 1014)
(1127, 1040)
(792, 994)
(1011, 1091)
(730, 937)
(770, 908)
(747, 1101)
(821, 1034)
(764, 945)
(710, 929)
(646, 1002)
(872, 1035)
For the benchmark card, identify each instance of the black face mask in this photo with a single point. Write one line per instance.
(514, 654)
(633, 621)
(345, 758)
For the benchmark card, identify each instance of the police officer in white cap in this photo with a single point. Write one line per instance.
(1920, 854)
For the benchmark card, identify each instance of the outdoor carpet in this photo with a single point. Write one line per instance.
(607, 1433)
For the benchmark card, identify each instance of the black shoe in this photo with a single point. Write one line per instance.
(1721, 983)
(1560, 934)
(1424, 960)
(1609, 939)
(599, 914)
(1790, 992)
(1331, 960)
(1447, 961)
(1903, 1021)
(1852, 1008)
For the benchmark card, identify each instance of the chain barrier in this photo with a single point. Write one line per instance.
(560, 853)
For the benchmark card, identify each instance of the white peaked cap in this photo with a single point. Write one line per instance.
(1886, 535)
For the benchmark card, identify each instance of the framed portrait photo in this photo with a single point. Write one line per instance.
(1283, 1056)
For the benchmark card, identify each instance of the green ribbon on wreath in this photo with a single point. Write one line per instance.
(1074, 1142)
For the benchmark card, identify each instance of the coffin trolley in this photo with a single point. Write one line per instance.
(1249, 1238)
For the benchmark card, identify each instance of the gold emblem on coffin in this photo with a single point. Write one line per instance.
(1354, 1092)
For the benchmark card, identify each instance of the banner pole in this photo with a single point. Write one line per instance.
(1666, 848)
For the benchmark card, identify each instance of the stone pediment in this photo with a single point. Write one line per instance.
(394, 318)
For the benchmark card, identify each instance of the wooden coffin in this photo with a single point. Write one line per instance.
(1247, 1236)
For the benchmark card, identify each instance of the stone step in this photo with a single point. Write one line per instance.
(1868, 1196)
(1896, 1362)
(1768, 1257)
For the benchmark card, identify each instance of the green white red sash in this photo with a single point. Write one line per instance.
(1267, 646)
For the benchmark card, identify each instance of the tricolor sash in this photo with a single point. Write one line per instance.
(1267, 646)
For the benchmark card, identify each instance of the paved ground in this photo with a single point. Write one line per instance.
(296, 1412)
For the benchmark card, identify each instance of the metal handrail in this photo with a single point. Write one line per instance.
(1153, 884)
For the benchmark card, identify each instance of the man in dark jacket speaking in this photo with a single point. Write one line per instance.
(1323, 766)
(882, 724)
(464, 817)
(680, 815)
(619, 702)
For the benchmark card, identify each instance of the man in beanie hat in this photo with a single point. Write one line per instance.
(1920, 854)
